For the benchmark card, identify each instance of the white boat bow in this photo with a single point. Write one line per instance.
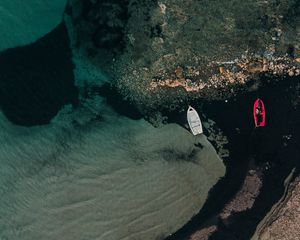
(194, 121)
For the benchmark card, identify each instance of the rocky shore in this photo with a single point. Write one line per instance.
(169, 52)
(242, 201)
(161, 55)
(283, 220)
(259, 161)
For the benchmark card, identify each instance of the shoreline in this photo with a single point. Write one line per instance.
(276, 207)
(242, 145)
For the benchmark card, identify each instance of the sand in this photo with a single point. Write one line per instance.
(116, 179)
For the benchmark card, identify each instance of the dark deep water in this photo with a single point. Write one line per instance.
(265, 145)
(37, 80)
(116, 101)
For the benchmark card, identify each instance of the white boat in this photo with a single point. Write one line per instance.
(194, 121)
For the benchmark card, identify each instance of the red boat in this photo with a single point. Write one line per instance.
(259, 113)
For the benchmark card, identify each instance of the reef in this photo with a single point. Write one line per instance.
(169, 52)
(161, 55)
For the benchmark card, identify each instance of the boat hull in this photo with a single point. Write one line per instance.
(194, 121)
(259, 113)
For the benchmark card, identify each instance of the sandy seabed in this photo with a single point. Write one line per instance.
(117, 179)
(113, 178)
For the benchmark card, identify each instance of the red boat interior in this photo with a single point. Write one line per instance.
(259, 113)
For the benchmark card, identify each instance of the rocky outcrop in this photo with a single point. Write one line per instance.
(241, 202)
(100, 27)
(282, 222)
(167, 51)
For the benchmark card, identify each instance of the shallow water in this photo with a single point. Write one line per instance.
(91, 172)
(120, 179)
(23, 23)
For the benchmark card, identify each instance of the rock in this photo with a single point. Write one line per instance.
(178, 72)
(282, 222)
(222, 70)
(194, 36)
(291, 73)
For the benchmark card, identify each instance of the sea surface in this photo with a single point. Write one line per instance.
(79, 162)
(273, 148)
(75, 165)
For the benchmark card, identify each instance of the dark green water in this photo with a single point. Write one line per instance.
(109, 174)
(37, 80)
(265, 145)
(80, 163)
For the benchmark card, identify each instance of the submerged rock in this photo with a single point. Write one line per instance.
(218, 47)
(93, 173)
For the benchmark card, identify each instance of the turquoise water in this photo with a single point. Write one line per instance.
(22, 24)
(81, 176)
